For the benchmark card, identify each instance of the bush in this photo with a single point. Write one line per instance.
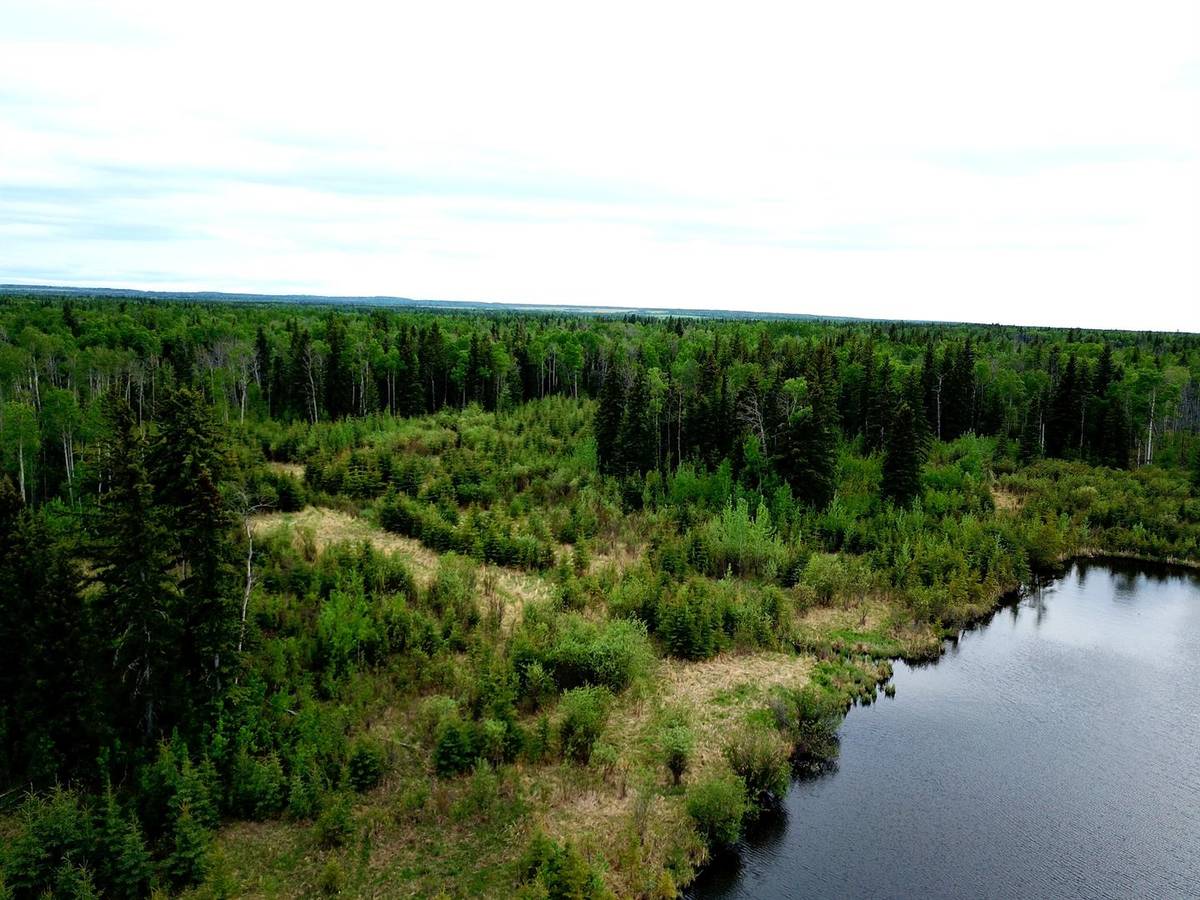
(759, 758)
(365, 767)
(256, 789)
(187, 863)
(690, 624)
(584, 711)
(718, 806)
(454, 750)
(333, 879)
(335, 825)
(811, 718)
(610, 654)
(123, 866)
(676, 745)
(53, 830)
(559, 872)
(735, 541)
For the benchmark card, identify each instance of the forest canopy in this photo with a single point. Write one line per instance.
(311, 565)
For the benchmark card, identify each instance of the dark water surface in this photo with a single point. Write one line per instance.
(1053, 752)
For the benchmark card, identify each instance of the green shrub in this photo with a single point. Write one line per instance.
(74, 882)
(123, 865)
(53, 830)
(454, 750)
(744, 544)
(676, 744)
(583, 712)
(559, 872)
(365, 766)
(335, 825)
(333, 879)
(758, 757)
(187, 862)
(811, 718)
(609, 654)
(718, 806)
(256, 786)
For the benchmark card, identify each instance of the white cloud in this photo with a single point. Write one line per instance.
(1029, 162)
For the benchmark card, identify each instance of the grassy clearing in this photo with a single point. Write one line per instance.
(503, 590)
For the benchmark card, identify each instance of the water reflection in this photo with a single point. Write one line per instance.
(1051, 752)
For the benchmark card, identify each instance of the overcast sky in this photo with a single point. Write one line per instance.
(1015, 162)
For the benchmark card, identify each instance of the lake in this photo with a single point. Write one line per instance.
(1053, 751)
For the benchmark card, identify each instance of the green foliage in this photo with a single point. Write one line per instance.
(903, 458)
(365, 768)
(810, 717)
(123, 864)
(257, 788)
(577, 652)
(187, 861)
(454, 748)
(718, 805)
(335, 825)
(558, 872)
(333, 879)
(711, 478)
(54, 831)
(738, 542)
(676, 743)
(760, 759)
(583, 712)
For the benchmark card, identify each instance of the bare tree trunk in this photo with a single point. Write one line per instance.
(21, 473)
(249, 580)
(1150, 429)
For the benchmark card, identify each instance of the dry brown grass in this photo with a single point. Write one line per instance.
(512, 587)
(626, 810)
(1006, 501)
(329, 526)
(859, 612)
(296, 470)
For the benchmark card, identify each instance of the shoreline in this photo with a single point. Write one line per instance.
(1004, 599)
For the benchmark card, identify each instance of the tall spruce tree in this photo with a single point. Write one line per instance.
(637, 440)
(137, 597)
(47, 717)
(903, 457)
(807, 450)
(339, 380)
(188, 463)
(609, 414)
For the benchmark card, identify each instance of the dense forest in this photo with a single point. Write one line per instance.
(304, 599)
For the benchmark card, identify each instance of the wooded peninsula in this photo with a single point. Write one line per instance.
(302, 598)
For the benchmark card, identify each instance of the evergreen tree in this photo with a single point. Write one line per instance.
(411, 390)
(958, 393)
(137, 595)
(903, 458)
(1112, 448)
(808, 457)
(187, 863)
(123, 865)
(339, 391)
(931, 387)
(881, 402)
(188, 463)
(263, 365)
(637, 448)
(1030, 446)
(47, 721)
(1062, 431)
(609, 415)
